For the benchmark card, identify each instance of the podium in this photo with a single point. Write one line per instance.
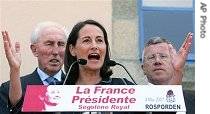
(79, 98)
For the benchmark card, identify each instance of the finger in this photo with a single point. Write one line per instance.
(8, 38)
(189, 42)
(8, 50)
(171, 50)
(5, 39)
(6, 47)
(185, 48)
(186, 40)
(17, 47)
(4, 35)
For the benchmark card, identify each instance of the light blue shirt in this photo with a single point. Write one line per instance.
(44, 76)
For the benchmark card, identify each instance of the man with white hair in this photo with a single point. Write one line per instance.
(48, 42)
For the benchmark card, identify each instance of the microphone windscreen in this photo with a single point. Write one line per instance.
(111, 63)
(82, 61)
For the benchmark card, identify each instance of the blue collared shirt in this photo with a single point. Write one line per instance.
(44, 76)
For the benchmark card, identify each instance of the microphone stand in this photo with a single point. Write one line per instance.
(67, 75)
(113, 63)
(80, 61)
(127, 72)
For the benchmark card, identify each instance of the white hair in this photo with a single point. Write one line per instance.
(42, 25)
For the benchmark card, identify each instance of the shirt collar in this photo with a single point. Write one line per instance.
(43, 75)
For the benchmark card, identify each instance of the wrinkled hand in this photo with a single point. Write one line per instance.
(178, 59)
(13, 55)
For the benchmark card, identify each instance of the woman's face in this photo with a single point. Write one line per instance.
(90, 46)
(53, 96)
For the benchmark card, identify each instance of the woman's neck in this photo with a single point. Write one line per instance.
(88, 79)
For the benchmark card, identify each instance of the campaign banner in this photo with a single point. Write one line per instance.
(79, 98)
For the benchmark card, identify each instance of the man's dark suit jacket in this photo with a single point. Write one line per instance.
(189, 98)
(30, 79)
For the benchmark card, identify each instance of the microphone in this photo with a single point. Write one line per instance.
(113, 63)
(80, 61)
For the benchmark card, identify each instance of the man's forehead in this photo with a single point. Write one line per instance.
(52, 39)
(162, 47)
(52, 33)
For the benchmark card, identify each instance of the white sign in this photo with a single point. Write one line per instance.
(72, 98)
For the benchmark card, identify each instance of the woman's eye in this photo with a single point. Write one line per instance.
(86, 40)
(100, 40)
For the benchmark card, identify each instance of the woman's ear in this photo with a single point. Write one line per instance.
(72, 50)
(34, 49)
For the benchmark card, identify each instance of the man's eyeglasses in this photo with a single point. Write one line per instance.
(154, 57)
